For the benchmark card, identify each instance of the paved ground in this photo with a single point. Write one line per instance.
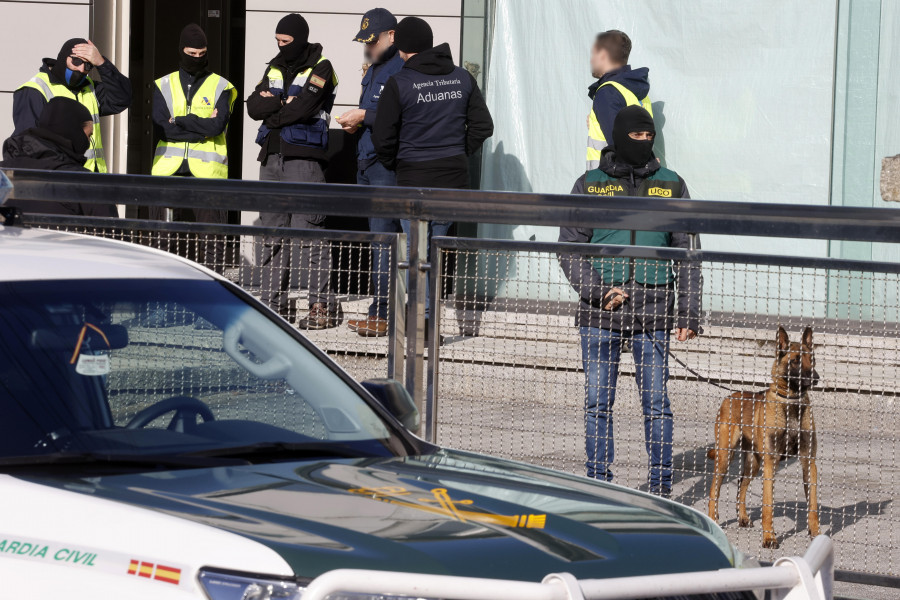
(514, 393)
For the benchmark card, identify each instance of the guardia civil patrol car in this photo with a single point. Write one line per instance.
(164, 435)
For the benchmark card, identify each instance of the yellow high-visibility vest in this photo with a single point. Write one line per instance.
(207, 158)
(88, 98)
(596, 140)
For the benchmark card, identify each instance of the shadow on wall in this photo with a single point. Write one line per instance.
(659, 119)
(480, 276)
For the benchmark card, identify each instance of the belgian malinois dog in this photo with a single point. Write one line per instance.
(767, 427)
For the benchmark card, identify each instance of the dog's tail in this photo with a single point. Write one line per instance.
(711, 455)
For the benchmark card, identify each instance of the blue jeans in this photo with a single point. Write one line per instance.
(600, 353)
(379, 175)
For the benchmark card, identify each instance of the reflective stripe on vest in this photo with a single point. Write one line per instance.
(207, 158)
(596, 140)
(300, 133)
(86, 96)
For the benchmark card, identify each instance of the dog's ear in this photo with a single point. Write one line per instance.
(782, 342)
(807, 338)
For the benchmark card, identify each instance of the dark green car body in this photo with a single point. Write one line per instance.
(445, 513)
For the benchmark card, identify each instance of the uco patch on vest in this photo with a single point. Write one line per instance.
(90, 365)
(316, 81)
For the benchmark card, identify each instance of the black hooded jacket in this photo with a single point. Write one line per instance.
(431, 115)
(39, 148)
(649, 308)
(305, 107)
(113, 92)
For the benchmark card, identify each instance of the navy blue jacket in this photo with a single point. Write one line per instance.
(608, 101)
(276, 115)
(373, 83)
(431, 110)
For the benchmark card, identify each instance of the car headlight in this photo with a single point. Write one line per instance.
(221, 586)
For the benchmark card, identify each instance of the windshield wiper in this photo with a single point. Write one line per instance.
(283, 451)
(148, 462)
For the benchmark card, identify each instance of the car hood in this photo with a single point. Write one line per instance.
(447, 513)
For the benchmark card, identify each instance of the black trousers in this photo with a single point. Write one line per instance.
(275, 258)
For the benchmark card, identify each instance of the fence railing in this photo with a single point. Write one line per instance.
(504, 362)
(806, 578)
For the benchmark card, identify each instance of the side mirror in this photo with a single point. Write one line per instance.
(393, 396)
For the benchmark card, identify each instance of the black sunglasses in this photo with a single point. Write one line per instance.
(80, 61)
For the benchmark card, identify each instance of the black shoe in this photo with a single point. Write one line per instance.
(663, 492)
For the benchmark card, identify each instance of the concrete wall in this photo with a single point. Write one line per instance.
(333, 25)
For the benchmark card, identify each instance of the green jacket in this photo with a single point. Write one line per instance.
(664, 184)
(662, 294)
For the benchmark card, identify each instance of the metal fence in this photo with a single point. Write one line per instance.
(503, 371)
(509, 380)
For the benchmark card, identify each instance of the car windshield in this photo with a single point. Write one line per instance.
(143, 368)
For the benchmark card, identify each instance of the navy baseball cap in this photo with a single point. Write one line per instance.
(374, 23)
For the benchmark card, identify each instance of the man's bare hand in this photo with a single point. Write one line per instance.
(352, 119)
(215, 113)
(88, 52)
(617, 297)
(289, 99)
(683, 334)
(266, 94)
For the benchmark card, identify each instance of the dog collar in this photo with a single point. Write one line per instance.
(785, 396)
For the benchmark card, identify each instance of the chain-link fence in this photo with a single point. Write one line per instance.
(505, 372)
(516, 377)
(339, 287)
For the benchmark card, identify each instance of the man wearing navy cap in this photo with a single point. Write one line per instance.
(376, 31)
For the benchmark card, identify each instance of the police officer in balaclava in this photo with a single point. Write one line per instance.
(57, 142)
(626, 300)
(191, 110)
(293, 103)
(68, 76)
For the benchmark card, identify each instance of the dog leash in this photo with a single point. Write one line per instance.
(684, 365)
(695, 373)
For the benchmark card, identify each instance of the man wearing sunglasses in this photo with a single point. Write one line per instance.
(382, 59)
(67, 76)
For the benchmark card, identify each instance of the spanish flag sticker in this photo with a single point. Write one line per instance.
(317, 81)
(146, 570)
(154, 571)
(168, 574)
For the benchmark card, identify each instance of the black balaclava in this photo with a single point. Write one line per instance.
(62, 72)
(630, 119)
(295, 26)
(65, 117)
(192, 36)
(413, 35)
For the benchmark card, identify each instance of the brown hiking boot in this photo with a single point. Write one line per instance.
(320, 317)
(373, 327)
(355, 324)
